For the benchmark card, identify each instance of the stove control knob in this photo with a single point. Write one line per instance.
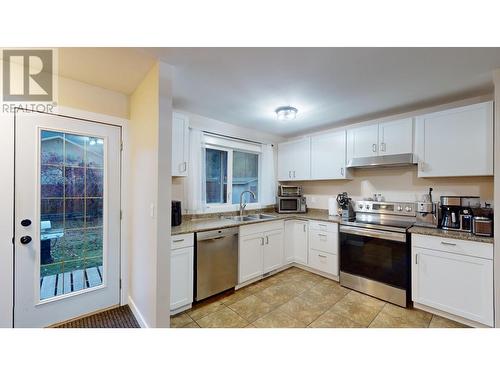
(399, 208)
(367, 206)
(408, 208)
(360, 205)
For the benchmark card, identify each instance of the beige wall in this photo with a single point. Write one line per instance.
(79, 95)
(143, 189)
(397, 184)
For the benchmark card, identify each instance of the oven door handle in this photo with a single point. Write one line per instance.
(398, 237)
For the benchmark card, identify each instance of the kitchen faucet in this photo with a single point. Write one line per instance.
(242, 206)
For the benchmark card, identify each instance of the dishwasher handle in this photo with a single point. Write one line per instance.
(217, 234)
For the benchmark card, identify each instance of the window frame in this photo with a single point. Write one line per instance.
(229, 206)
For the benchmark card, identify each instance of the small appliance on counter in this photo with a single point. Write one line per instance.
(482, 226)
(333, 207)
(457, 212)
(427, 212)
(290, 200)
(176, 213)
(345, 203)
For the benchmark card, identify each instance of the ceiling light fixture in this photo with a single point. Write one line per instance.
(286, 113)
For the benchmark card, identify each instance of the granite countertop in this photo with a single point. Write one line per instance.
(210, 222)
(450, 234)
(201, 224)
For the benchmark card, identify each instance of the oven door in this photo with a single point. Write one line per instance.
(374, 254)
(288, 205)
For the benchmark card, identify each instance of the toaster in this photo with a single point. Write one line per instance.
(482, 226)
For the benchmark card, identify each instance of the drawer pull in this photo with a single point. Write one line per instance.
(181, 240)
(322, 256)
(448, 243)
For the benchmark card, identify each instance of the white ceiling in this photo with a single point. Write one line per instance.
(329, 86)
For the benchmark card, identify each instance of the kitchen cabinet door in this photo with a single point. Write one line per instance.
(296, 241)
(458, 284)
(456, 142)
(328, 156)
(180, 145)
(250, 260)
(273, 250)
(396, 137)
(285, 161)
(363, 141)
(294, 160)
(181, 277)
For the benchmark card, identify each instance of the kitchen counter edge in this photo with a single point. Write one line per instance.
(450, 234)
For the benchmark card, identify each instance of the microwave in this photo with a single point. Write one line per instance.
(289, 191)
(291, 205)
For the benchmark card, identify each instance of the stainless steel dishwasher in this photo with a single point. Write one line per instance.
(216, 261)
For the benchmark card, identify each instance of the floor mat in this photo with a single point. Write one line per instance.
(121, 317)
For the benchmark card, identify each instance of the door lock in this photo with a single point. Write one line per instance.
(25, 240)
(26, 222)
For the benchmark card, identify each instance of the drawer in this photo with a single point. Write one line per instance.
(327, 242)
(324, 262)
(324, 226)
(267, 226)
(451, 245)
(182, 240)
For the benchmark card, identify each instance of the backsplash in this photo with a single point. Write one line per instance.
(395, 184)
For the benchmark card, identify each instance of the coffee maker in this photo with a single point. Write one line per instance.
(345, 203)
(457, 212)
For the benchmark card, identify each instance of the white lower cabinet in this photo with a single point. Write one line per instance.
(453, 276)
(181, 272)
(261, 249)
(324, 247)
(296, 233)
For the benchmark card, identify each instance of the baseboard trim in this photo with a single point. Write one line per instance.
(446, 315)
(137, 313)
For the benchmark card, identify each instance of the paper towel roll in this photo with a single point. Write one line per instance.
(333, 207)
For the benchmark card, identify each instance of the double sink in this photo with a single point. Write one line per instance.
(251, 217)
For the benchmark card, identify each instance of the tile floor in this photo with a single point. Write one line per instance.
(297, 298)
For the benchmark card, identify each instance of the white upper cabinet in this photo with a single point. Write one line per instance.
(456, 142)
(364, 141)
(396, 137)
(328, 156)
(385, 138)
(180, 145)
(294, 160)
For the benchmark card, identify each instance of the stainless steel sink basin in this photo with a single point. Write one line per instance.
(241, 218)
(262, 216)
(252, 217)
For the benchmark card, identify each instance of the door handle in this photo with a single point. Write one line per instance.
(25, 240)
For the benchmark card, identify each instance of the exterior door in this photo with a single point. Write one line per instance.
(67, 218)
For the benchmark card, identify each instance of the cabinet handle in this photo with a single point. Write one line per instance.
(293, 174)
(182, 240)
(267, 240)
(184, 166)
(289, 174)
(382, 146)
(416, 258)
(304, 228)
(374, 147)
(341, 171)
(448, 243)
(322, 256)
(421, 165)
(262, 241)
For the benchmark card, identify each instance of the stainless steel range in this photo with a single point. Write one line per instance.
(375, 250)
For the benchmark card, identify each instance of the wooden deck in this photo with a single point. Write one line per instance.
(63, 283)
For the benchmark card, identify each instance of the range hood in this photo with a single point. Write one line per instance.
(383, 161)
